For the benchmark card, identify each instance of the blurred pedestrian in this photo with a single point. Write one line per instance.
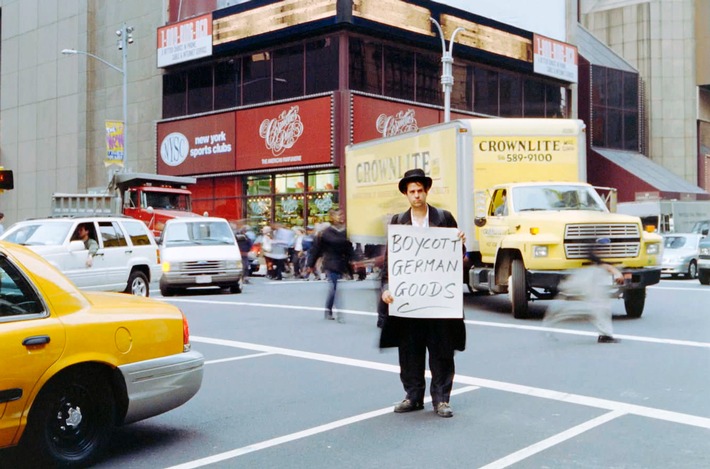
(336, 250)
(586, 294)
(245, 245)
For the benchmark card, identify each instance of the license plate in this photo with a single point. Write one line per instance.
(203, 279)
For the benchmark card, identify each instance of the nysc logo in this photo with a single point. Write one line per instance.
(174, 149)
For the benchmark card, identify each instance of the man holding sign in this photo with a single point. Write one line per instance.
(422, 286)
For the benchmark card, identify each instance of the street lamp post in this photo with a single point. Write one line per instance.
(447, 61)
(125, 37)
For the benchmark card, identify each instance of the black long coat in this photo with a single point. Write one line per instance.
(336, 250)
(451, 331)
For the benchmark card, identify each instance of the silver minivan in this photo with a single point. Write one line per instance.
(126, 259)
(199, 252)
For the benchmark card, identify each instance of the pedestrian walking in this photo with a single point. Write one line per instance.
(414, 336)
(586, 295)
(336, 250)
(245, 245)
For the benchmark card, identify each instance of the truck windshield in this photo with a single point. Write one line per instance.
(39, 234)
(557, 197)
(165, 201)
(198, 233)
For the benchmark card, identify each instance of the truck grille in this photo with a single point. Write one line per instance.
(203, 267)
(580, 239)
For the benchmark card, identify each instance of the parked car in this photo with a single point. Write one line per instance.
(199, 252)
(704, 261)
(126, 261)
(680, 254)
(76, 364)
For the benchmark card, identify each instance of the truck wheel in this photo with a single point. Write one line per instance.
(692, 270)
(138, 284)
(72, 420)
(518, 289)
(634, 301)
(704, 277)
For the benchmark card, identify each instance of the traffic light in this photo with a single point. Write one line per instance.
(7, 181)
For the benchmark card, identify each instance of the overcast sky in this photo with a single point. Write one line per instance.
(546, 17)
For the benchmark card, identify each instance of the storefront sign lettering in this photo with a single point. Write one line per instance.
(402, 122)
(282, 133)
(425, 267)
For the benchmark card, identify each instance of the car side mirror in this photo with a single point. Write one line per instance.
(76, 245)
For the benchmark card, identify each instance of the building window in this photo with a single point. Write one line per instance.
(366, 65)
(399, 73)
(511, 95)
(174, 95)
(226, 84)
(534, 98)
(256, 78)
(288, 72)
(199, 90)
(485, 91)
(322, 65)
(428, 81)
(615, 109)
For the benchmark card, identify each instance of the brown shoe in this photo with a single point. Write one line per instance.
(408, 405)
(443, 409)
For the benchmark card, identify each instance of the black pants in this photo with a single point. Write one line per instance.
(412, 357)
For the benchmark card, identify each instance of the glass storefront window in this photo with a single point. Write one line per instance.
(318, 206)
(289, 183)
(289, 210)
(328, 180)
(226, 81)
(258, 185)
(259, 211)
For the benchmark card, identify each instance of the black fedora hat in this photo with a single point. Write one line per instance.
(414, 175)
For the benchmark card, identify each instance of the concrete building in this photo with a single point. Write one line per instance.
(665, 41)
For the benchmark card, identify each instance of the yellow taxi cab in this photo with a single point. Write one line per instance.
(76, 364)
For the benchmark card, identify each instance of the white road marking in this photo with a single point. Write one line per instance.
(540, 446)
(650, 412)
(655, 340)
(242, 357)
(295, 436)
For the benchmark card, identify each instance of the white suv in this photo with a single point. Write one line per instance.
(199, 252)
(126, 260)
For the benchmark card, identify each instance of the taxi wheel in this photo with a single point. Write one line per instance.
(138, 284)
(72, 419)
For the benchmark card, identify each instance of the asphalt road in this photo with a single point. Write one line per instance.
(284, 388)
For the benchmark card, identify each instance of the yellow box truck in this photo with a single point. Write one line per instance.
(518, 190)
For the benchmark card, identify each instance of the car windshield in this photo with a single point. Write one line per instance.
(557, 197)
(674, 242)
(39, 234)
(198, 233)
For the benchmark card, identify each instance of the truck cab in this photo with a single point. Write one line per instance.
(533, 234)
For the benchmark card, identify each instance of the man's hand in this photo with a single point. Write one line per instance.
(89, 261)
(387, 297)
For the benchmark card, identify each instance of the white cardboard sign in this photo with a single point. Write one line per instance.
(425, 268)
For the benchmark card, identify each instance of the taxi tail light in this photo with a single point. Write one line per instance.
(185, 334)
(157, 254)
